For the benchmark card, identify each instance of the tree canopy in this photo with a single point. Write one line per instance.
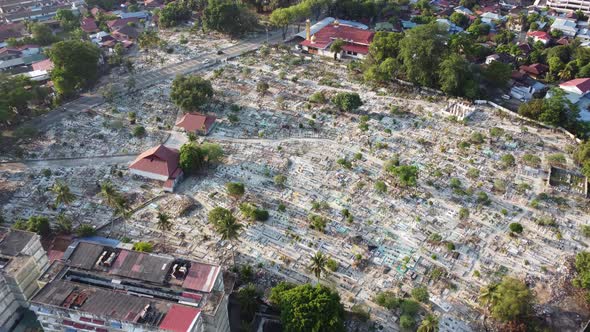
(194, 157)
(189, 92)
(75, 65)
(309, 308)
(555, 111)
(509, 300)
(347, 101)
(228, 17)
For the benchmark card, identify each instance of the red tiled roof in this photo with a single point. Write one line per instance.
(583, 84)
(88, 25)
(43, 65)
(362, 49)
(158, 160)
(535, 69)
(539, 34)
(201, 277)
(179, 318)
(118, 23)
(196, 121)
(351, 35)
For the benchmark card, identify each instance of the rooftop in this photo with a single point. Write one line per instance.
(12, 241)
(160, 160)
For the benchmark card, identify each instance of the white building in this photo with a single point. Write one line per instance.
(22, 260)
(570, 5)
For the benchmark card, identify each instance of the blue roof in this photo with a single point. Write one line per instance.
(101, 240)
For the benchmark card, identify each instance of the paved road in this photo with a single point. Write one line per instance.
(16, 166)
(150, 78)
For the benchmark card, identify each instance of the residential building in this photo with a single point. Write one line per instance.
(198, 124)
(570, 5)
(88, 25)
(578, 93)
(159, 163)
(356, 40)
(567, 27)
(536, 70)
(104, 288)
(539, 36)
(12, 11)
(22, 260)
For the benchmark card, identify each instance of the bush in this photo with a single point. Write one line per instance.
(85, 230)
(387, 300)
(516, 227)
(235, 189)
(139, 131)
(420, 294)
(332, 265)
(143, 246)
(380, 187)
(406, 321)
(318, 98)
(347, 101)
(507, 160)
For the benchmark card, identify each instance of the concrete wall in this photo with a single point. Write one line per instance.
(149, 175)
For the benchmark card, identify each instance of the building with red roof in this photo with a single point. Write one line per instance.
(45, 65)
(88, 25)
(536, 70)
(121, 22)
(159, 163)
(356, 40)
(579, 86)
(98, 286)
(196, 123)
(541, 36)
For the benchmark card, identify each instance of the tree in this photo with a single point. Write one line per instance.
(15, 94)
(387, 300)
(36, 224)
(516, 227)
(497, 74)
(173, 13)
(309, 308)
(62, 193)
(459, 19)
(75, 65)
(421, 52)
(510, 300)
(248, 299)
(318, 264)
(190, 92)
(336, 47)
(143, 246)
(281, 18)
(67, 20)
(228, 17)
(347, 101)
(380, 187)
(164, 224)
(420, 294)
(456, 77)
(406, 175)
(582, 263)
(463, 213)
(63, 224)
(194, 157)
(42, 34)
(406, 321)
(429, 324)
(507, 160)
(280, 180)
(226, 225)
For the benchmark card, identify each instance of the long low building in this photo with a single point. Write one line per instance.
(101, 288)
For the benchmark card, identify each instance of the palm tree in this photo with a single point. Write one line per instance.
(62, 193)
(229, 229)
(109, 194)
(488, 297)
(318, 264)
(429, 324)
(164, 224)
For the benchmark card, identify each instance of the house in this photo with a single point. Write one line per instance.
(489, 17)
(502, 57)
(88, 25)
(11, 30)
(526, 91)
(46, 65)
(463, 10)
(579, 86)
(121, 22)
(451, 27)
(7, 53)
(159, 163)
(536, 70)
(126, 33)
(197, 123)
(356, 40)
(539, 36)
(567, 27)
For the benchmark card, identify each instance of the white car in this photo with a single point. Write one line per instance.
(507, 97)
